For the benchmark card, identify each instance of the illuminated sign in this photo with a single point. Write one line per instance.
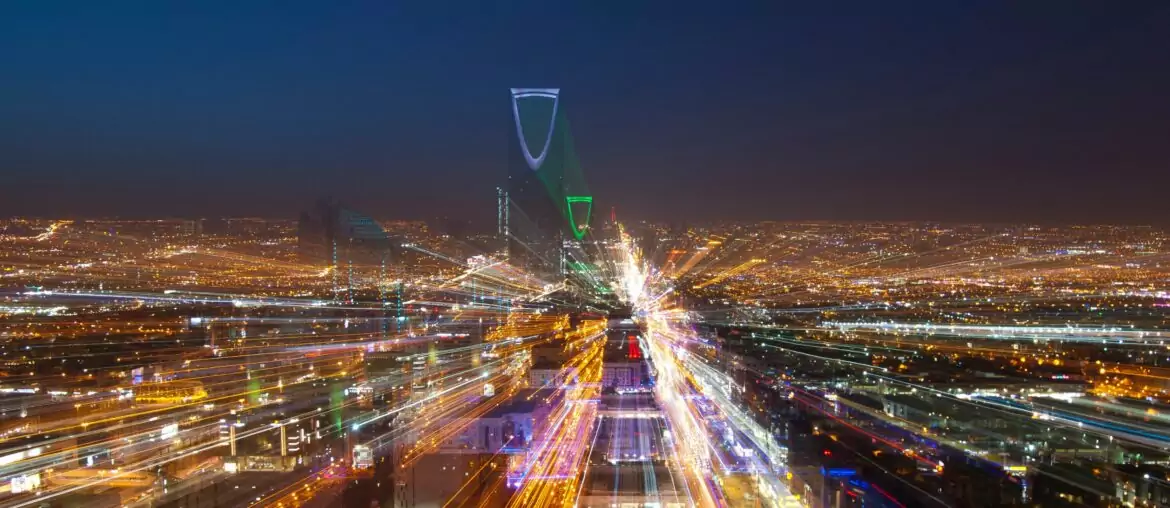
(21, 455)
(838, 472)
(363, 457)
(25, 483)
(1016, 470)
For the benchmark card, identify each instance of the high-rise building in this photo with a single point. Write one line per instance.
(324, 233)
(351, 244)
(534, 181)
(315, 233)
(192, 228)
(502, 205)
(548, 203)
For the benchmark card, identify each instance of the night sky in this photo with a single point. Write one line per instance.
(684, 111)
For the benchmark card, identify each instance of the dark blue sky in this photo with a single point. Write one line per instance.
(1049, 110)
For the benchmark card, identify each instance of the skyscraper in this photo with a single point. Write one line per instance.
(535, 181)
(344, 241)
(548, 200)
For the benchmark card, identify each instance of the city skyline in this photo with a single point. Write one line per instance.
(907, 113)
(642, 255)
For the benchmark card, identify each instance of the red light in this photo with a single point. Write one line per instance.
(634, 351)
(828, 453)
